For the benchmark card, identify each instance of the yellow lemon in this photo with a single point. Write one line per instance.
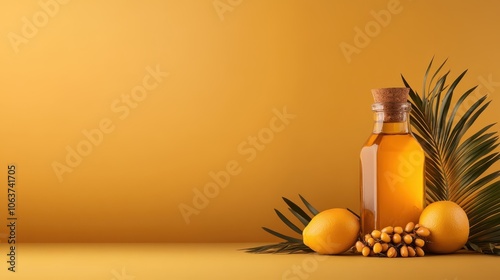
(448, 224)
(332, 231)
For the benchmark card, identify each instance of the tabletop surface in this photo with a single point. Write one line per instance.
(225, 261)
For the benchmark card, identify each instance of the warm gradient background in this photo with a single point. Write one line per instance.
(228, 72)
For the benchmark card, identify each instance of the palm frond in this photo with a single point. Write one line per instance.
(309, 206)
(283, 247)
(282, 236)
(458, 166)
(297, 211)
(291, 244)
(287, 222)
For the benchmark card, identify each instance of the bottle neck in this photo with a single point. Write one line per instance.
(391, 118)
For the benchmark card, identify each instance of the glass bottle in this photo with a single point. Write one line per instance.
(392, 165)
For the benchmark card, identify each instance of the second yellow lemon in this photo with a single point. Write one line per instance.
(332, 231)
(448, 224)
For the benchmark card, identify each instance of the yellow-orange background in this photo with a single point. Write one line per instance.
(227, 72)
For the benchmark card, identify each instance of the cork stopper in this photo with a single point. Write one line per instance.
(393, 102)
(390, 95)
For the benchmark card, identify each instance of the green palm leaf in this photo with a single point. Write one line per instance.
(457, 165)
(290, 244)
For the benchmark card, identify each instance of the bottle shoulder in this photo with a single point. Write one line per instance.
(393, 141)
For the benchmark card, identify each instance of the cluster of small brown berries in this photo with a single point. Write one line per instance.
(394, 242)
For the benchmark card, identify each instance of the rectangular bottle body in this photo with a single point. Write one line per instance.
(392, 181)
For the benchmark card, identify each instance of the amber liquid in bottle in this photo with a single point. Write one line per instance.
(392, 173)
